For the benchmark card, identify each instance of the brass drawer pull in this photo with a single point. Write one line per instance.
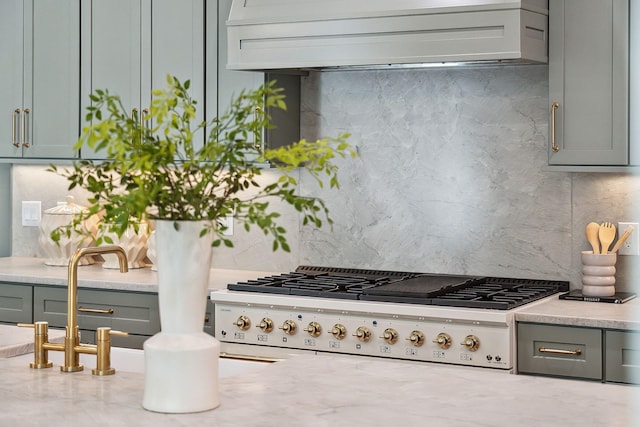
(95, 310)
(575, 352)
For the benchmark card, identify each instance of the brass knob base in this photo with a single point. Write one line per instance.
(103, 372)
(72, 368)
(40, 365)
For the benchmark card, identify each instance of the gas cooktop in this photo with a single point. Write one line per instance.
(405, 287)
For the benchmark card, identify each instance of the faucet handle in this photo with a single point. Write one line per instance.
(41, 337)
(103, 351)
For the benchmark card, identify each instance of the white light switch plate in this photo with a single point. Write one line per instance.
(31, 213)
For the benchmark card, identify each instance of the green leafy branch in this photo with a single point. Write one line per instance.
(160, 171)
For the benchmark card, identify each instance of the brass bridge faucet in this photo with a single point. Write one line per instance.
(71, 346)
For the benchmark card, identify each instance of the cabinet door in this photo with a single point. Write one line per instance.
(177, 48)
(588, 79)
(286, 128)
(52, 76)
(11, 46)
(622, 358)
(230, 83)
(40, 43)
(112, 33)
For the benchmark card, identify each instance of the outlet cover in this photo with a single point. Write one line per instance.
(227, 222)
(31, 213)
(632, 245)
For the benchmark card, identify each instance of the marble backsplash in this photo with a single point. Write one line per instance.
(451, 179)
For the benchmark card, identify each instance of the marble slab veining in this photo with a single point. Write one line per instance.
(324, 391)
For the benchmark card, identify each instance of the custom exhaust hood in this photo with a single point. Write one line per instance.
(327, 34)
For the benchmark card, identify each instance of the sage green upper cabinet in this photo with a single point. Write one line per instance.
(589, 83)
(39, 89)
(230, 83)
(129, 47)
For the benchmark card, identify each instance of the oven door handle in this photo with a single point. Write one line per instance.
(575, 352)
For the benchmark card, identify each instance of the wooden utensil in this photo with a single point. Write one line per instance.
(592, 236)
(622, 239)
(606, 233)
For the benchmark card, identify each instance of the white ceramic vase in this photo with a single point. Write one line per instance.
(181, 361)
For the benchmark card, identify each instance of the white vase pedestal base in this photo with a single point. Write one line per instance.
(181, 373)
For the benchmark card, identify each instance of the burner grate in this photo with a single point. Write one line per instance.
(404, 287)
(500, 293)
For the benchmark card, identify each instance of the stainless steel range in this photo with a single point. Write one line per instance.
(465, 320)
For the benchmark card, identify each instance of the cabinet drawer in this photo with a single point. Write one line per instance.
(132, 312)
(560, 351)
(622, 358)
(16, 303)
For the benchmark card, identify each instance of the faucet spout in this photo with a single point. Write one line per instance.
(72, 336)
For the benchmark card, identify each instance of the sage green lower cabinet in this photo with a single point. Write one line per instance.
(136, 313)
(622, 357)
(16, 303)
(560, 351)
(585, 353)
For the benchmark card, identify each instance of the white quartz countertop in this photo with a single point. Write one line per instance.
(35, 271)
(324, 391)
(602, 315)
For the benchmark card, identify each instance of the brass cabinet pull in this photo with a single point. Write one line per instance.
(232, 356)
(258, 143)
(95, 310)
(14, 127)
(25, 127)
(554, 145)
(144, 119)
(575, 352)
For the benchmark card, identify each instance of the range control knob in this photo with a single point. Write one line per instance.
(289, 327)
(314, 329)
(416, 338)
(471, 342)
(265, 324)
(390, 335)
(243, 323)
(338, 331)
(363, 334)
(443, 340)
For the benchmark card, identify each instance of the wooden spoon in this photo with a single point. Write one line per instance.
(606, 234)
(622, 239)
(592, 236)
